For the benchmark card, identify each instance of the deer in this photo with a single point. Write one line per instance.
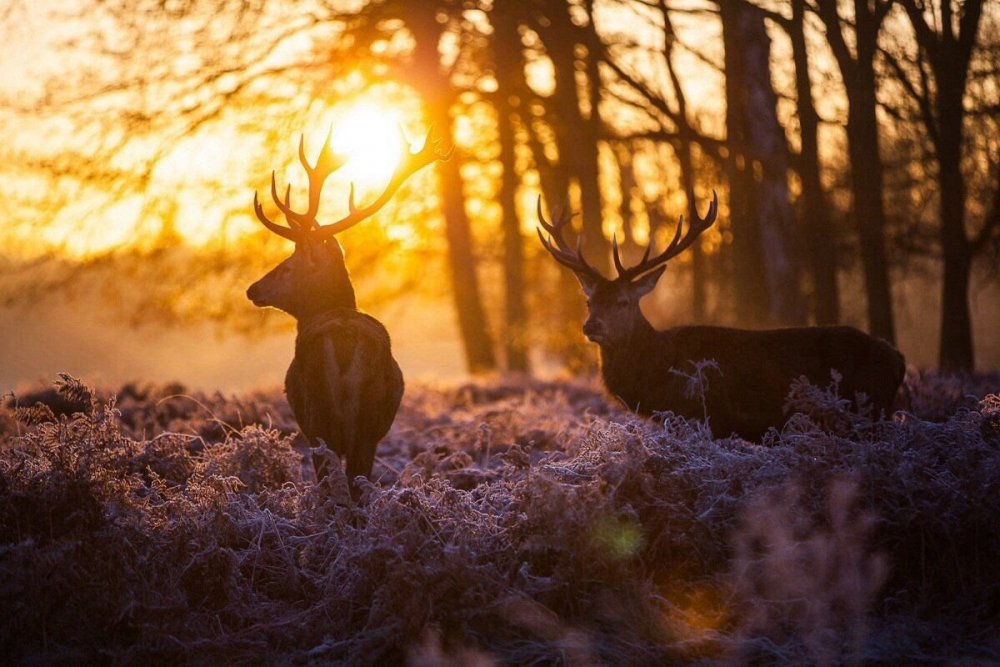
(343, 385)
(645, 368)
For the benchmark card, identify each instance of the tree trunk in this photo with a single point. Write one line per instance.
(869, 211)
(955, 350)
(509, 70)
(766, 270)
(439, 97)
(576, 134)
(820, 242)
(858, 74)
(949, 56)
(698, 293)
(464, 279)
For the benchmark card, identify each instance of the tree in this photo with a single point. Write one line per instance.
(509, 71)
(440, 96)
(762, 217)
(575, 111)
(857, 70)
(946, 36)
(816, 222)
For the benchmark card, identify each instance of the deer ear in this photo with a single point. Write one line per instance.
(587, 282)
(646, 283)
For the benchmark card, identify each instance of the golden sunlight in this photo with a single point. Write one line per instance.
(369, 136)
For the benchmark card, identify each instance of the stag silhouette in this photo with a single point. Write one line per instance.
(748, 383)
(343, 385)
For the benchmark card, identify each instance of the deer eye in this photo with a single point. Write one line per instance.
(622, 300)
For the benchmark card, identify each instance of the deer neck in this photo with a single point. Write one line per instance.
(332, 304)
(621, 358)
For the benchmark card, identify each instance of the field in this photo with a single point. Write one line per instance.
(507, 522)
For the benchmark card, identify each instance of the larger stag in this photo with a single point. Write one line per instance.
(344, 385)
(644, 368)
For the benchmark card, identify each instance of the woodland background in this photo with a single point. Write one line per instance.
(854, 145)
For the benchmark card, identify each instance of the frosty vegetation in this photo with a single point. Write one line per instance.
(510, 522)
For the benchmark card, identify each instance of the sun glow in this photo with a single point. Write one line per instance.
(369, 136)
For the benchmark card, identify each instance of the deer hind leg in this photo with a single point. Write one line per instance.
(333, 405)
(360, 454)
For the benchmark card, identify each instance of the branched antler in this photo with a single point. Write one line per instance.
(303, 225)
(676, 246)
(573, 258)
(568, 257)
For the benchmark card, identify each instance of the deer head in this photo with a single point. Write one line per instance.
(314, 278)
(613, 305)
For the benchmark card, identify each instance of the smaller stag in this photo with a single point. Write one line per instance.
(644, 368)
(343, 385)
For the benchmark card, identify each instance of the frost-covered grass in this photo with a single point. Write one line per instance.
(507, 522)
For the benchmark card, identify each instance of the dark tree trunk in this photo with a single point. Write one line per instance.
(869, 211)
(464, 279)
(949, 55)
(858, 74)
(627, 185)
(820, 242)
(698, 294)
(766, 266)
(439, 97)
(509, 72)
(955, 350)
(576, 133)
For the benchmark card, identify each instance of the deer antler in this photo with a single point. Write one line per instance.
(568, 257)
(676, 246)
(303, 225)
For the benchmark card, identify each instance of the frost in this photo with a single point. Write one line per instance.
(509, 522)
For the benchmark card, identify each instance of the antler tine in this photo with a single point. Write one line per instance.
(616, 256)
(284, 204)
(432, 151)
(562, 253)
(327, 162)
(678, 244)
(284, 232)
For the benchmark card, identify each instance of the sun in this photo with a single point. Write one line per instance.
(369, 136)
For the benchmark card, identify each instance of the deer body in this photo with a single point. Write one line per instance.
(755, 369)
(343, 385)
(641, 366)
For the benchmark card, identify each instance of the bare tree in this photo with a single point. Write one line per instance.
(946, 36)
(574, 108)
(440, 96)
(857, 70)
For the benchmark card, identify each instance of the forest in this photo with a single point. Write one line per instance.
(819, 162)
(853, 146)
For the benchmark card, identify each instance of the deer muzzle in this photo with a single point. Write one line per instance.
(594, 330)
(254, 294)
